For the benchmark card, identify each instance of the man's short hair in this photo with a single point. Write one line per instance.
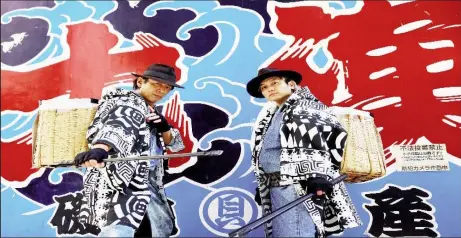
(287, 80)
(135, 82)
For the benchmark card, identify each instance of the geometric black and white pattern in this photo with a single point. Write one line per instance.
(312, 142)
(118, 192)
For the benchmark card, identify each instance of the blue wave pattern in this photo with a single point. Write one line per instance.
(218, 78)
(15, 123)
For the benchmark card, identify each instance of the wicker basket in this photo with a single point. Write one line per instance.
(59, 131)
(363, 157)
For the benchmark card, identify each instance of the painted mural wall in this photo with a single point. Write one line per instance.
(399, 60)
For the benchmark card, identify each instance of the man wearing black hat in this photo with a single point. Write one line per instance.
(118, 194)
(297, 149)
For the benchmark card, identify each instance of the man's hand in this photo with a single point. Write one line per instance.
(318, 186)
(92, 158)
(157, 120)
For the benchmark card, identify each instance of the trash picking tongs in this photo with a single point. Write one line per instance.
(154, 157)
(255, 224)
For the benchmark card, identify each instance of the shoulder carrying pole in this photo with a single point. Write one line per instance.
(154, 157)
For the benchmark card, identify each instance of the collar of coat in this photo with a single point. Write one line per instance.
(268, 110)
(116, 93)
(119, 92)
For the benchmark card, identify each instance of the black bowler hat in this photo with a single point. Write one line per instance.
(162, 73)
(264, 73)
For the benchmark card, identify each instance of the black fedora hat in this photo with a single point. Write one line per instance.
(264, 73)
(162, 73)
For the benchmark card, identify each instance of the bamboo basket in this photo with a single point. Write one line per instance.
(363, 157)
(59, 130)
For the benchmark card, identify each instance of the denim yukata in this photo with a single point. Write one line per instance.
(296, 222)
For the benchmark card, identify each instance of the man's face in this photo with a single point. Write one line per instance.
(276, 89)
(153, 91)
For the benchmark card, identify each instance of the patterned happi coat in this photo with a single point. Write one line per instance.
(119, 192)
(312, 142)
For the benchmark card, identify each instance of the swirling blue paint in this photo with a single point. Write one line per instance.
(21, 124)
(217, 78)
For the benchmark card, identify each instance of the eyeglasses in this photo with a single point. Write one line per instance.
(274, 83)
